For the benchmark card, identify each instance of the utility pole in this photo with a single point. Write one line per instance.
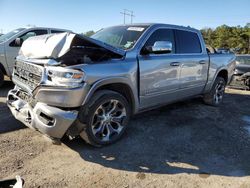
(127, 13)
(124, 16)
(131, 17)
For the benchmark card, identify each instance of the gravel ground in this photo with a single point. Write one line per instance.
(187, 144)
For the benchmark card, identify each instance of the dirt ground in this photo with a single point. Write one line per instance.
(187, 144)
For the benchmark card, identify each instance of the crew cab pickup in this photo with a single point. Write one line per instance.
(11, 42)
(69, 84)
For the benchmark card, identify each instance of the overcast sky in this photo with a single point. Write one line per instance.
(81, 16)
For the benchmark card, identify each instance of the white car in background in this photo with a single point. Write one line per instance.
(11, 42)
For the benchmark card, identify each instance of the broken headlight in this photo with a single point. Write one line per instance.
(70, 78)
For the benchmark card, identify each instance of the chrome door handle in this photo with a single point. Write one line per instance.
(175, 64)
(202, 62)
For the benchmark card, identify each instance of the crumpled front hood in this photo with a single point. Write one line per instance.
(47, 46)
(67, 45)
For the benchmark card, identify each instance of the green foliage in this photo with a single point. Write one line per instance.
(235, 38)
(89, 33)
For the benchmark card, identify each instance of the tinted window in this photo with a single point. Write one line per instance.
(161, 35)
(57, 31)
(187, 42)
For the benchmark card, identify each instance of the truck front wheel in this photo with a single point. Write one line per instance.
(1, 78)
(105, 118)
(215, 96)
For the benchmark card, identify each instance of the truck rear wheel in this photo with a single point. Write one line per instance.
(1, 78)
(105, 118)
(215, 96)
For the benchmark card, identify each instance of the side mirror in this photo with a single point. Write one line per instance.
(18, 42)
(162, 47)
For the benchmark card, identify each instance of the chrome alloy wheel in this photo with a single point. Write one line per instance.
(219, 92)
(107, 122)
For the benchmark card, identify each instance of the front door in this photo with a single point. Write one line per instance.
(159, 73)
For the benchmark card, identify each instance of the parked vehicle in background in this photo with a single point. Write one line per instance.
(74, 85)
(223, 51)
(11, 42)
(241, 77)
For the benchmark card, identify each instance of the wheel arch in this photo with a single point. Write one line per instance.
(224, 74)
(120, 85)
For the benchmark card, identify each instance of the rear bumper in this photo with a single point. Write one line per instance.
(49, 120)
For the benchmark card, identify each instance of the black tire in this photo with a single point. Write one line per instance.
(98, 116)
(216, 94)
(1, 78)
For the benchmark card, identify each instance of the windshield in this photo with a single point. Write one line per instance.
(123, 37)
(243, 60)
(7, 36)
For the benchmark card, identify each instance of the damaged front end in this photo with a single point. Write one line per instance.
(67, 49)
(49, 120)
(241, 81)
(50, 81)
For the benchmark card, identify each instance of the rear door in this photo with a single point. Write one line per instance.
(11, 49)
(193, 62)
(158, 74)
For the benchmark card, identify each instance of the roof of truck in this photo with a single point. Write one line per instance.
(163, 25)
(51, 28)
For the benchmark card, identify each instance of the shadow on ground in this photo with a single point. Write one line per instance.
(186, 137)
(7, 121)
(8, 85)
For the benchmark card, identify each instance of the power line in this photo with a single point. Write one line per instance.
(124, 15)
(127, 12)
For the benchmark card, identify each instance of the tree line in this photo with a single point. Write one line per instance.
(236, 38)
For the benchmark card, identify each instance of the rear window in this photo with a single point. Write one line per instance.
(187, 42)
(57, 31)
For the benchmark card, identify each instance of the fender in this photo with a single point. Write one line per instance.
(210, 83)
(115, 80)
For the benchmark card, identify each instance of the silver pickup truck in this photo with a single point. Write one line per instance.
(68, 84)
